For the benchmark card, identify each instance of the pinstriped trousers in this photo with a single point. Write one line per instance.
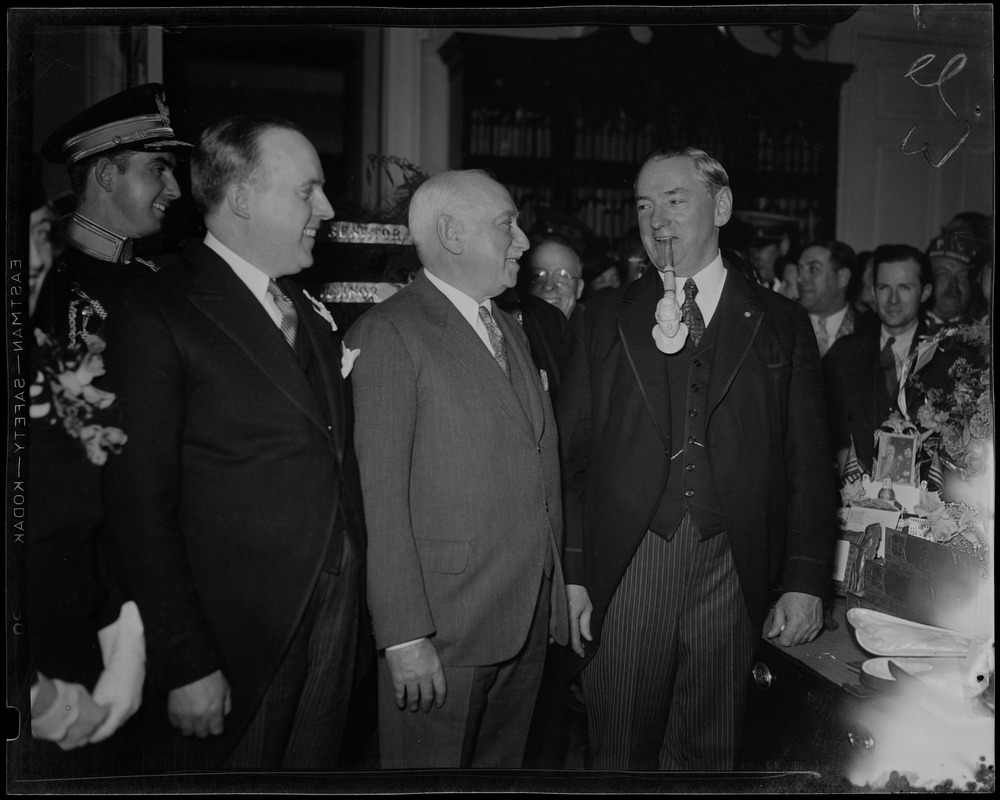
(300, 721)
(668, 685)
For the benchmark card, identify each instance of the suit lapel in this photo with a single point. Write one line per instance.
(462, 342)
(524, 372)
(739, 317)
(636, 318)
(326, 358)
(225, 299)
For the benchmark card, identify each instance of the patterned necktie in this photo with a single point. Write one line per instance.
(691, 314)
(289, 319)
(822, 336)
(887, 359)
(496, 339)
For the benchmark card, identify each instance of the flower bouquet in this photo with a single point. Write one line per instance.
(63, 393)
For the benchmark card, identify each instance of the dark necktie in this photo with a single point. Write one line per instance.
(496, 339)
(691, 314)
(289, 319)
(888, 361)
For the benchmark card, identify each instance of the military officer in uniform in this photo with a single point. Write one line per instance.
(86, 645)
(121, 157)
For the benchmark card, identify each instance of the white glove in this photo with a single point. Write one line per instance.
(123, 647)
(70, 717)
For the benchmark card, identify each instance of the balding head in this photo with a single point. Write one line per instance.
(464, 226)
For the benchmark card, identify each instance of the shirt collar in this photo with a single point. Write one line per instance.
(903, 340)
(832, 321)
(255, 280)
(97, 241)
(709, 280)
(466, 306)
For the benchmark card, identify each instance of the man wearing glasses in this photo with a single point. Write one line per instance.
(556, 273)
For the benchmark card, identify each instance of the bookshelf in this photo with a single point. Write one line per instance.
(564, 123)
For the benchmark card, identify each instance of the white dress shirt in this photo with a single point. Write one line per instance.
(255, 280)
(832, 323)
(900, 347)
(709, 280)
(466, 306)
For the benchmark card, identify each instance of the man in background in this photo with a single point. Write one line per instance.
(556, 273)
(863, 370)
(953, 259)
(826, 272)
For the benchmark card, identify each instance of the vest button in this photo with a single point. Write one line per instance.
(693, 412)
(689, 493)
(695, 387)
(689, 467)
(697, 362)
(692, 439)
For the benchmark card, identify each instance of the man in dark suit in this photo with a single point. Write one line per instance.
(863, 371)
(458, 452)
(236, 511)
(696, 476)
(828, 279)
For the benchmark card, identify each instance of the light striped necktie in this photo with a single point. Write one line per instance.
(289, 319)
(822, 336)
(497, 341)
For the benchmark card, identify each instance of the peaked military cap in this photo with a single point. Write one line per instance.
(136, 119)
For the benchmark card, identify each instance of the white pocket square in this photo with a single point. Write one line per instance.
(347, 360)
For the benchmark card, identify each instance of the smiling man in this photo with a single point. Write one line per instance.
(863, 370)
(235, 510)
(693, 480)
(457, 447)
(120, 154)
(556, 273)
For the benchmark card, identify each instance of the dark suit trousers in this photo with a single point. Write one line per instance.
(486, 714)
(300, 722)
(668, 685)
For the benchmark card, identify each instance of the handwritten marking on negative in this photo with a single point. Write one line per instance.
(952, 68)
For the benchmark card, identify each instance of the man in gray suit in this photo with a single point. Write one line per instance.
(457, 447)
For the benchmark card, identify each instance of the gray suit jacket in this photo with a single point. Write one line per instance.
(459, 467)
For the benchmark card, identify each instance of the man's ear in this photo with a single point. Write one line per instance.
(926, 293)
(723, 206)
(449, 231)
(105, 173)
(238, 199)
(843, 278)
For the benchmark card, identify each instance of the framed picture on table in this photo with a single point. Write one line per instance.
(897, 458)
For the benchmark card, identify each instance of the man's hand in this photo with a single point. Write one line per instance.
(417, 675)
(199, 708)
(580, 609)
(64, 713)
(798, 618)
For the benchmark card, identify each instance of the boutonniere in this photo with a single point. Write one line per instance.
(347, 359)
(322, 310)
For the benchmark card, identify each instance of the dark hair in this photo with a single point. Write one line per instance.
(842, 256)
(229, 152)
(712, 173)
(78, 172)
(890, 253)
